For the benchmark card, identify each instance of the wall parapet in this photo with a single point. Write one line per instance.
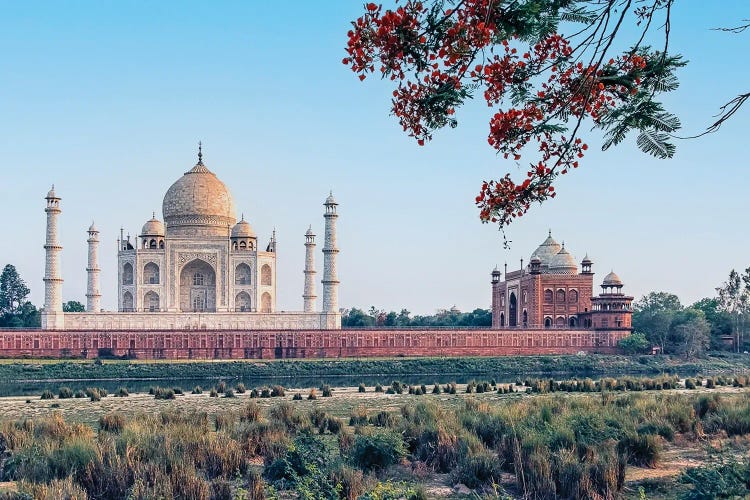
(308, 343)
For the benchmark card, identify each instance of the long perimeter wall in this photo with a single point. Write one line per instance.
(274, 344)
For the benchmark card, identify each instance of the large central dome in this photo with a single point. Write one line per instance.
(198, 204)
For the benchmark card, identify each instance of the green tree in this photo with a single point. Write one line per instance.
(13, 290)
(634, 344)
(653, 315)
(734, 298)
(689, 333)
(73, 306)
(719, 320)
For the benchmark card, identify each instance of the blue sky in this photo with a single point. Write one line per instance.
(107, 100)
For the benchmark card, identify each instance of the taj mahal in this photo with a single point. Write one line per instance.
(198, 268)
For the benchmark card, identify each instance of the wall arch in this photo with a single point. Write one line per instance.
(265, 275)
(127, 302)
(548, 296)
(127, 274)
(198, 287)
(573, 296)
(151, 274)
(242, 274)
(151, 302)
(242, 302)
(560, 296)
(265, 303)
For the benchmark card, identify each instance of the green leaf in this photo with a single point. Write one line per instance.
(655, 143)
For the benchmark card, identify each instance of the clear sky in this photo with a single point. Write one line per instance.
(107, 100)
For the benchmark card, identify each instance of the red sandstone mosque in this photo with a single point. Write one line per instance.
(551, 293)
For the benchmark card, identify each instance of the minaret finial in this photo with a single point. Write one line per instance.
(153, 215)
(243, 216)
(549, 233)
(200, 153)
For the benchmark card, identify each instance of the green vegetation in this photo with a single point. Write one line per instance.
(493, 367)
(15, 309)
(357, 318)
(543, 446)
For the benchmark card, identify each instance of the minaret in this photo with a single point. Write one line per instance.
(93, 297)
(309, 294)
(52, 316)
(330, 280)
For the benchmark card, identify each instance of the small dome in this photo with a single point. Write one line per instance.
(243, 229)
(612, 280)
(586, 260)
(563, 263)
(546, 251)
(51, 193)
(535, 260)
(330, 200)
(153, 227)
(309, 232)
(92, 228)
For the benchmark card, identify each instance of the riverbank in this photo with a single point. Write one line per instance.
(501, 368)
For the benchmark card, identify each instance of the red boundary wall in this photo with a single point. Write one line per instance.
(271, 344)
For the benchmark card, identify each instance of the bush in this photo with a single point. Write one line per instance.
(436, 389)
(197, 390)
(122, 392)
(265, 392)
(93, 394)
(65, 393)
(478, 470)
(177, 390)
(635, 343)
(350, 482)
(643, 450)
(224, 420)
(240, 388)
(377, 451)
(254, 394)
(358, 416)
(689, 383)
(229, 393)
(79, 394)
(362, 388)
(112, 422)
(222, 387)
(312, 395)
(297, 397)
(250, 413)
(326, 391)
(378, 388)
(277, 391)
(213, 393)
(47, 394)
(162, 393)
(383, 419)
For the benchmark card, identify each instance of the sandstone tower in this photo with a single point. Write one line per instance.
(330, 279)
(309, 293)
(52, 316)
(93, 297)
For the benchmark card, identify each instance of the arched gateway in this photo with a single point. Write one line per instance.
(198, 287)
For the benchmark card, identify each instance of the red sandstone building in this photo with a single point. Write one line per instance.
(551, 293)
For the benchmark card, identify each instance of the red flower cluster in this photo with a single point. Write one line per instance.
(435, 58)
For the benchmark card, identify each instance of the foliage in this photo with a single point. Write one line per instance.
(73, 306)
(734, 298)
(547, 67)
(377, 450)
(726, 479)
(634, 344)
(354, 318)
(15, 310)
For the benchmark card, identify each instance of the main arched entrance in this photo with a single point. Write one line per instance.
(513, 310)
(198, 287)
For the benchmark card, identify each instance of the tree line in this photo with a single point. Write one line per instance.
(357, 318)
(715, 323)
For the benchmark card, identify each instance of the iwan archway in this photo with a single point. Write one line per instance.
(198, 287)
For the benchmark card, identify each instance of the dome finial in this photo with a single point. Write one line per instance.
(243, 216)
(153, 215)
(549, 232)
(200, 153)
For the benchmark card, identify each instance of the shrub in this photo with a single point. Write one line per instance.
(112, 422)
(358, 416)
(250, 412)
(79, 394)
(362, 388)
(378, 388)
(689, 383)
(197, 390)
(224, 420)
(643, 450)
(377, 451)
(254, 393)
(177, 390)
(436, 389)
(213, 393)
(286, 414)
(162, 393)
(229, 393)
(240, 388)
(383, 419)
(122, 392)
(326, 391)
(312, 395)
(297, 397)
(47, 394)
(65, 393)
(265, 392)
(277, 391)
(710, 383)
(221, 387)
(349, 482)
(478, 470)
(93, 394)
